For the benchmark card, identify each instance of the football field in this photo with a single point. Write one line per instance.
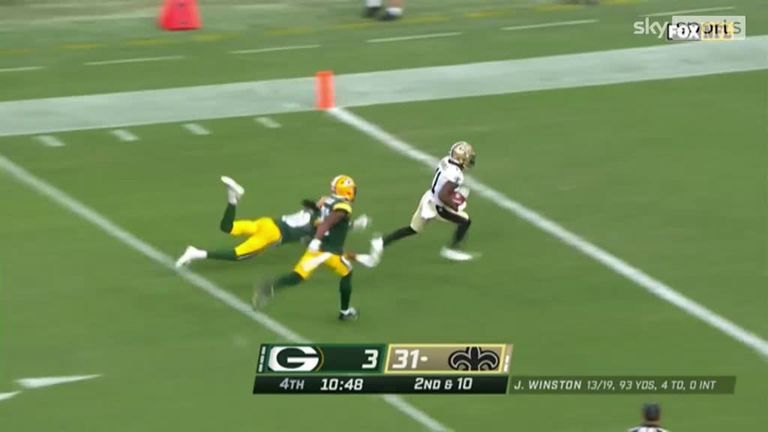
(618, 206)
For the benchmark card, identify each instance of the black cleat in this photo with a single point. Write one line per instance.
(350, 315)
(371, 12)
(262, 295)
(389, 17)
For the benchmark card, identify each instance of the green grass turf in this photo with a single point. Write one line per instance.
(668, 175)
(80, 302)
(62, 48)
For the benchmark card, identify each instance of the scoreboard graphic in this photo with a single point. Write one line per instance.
(383, 368)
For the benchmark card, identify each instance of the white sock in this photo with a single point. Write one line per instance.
(232, 197)
(373, 3)
(395, 11)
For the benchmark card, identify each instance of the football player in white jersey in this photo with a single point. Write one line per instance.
(445, 200)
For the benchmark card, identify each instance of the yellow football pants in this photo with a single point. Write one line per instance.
(262, 233)
(312, 260)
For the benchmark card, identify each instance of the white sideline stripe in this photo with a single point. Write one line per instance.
(133, 60)
(50, 141)
(113, 230)
(551, 24)
(272, 49)
(405, 38)
(6, 396)
(268, 122)
(258, 98)
(687, 11)
(124, 135)
(652, 285)
(21, 69)
(33, 383)
(196, 129)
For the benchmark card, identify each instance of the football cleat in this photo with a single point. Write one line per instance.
(190, 254)
(262, 295)
(367, 260)
(234, 190)
(377, 248)
(455, 255)
(349, 314)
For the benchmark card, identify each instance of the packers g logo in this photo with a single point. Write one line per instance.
(473, 358)
(294, 359)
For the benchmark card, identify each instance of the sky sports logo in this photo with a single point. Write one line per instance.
(695, 28)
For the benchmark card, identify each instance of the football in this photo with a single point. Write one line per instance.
(458, 199)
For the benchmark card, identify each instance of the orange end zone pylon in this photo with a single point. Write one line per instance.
(324, 90)
(179, 15)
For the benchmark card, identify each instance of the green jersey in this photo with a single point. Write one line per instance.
(334, 239)
(299, 225)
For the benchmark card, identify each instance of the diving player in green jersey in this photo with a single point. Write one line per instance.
(327, 247)
(260, 233)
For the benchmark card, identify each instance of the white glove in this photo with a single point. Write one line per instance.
(462, 206)
(361, 222)
(314, 245)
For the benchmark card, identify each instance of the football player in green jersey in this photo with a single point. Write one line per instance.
(260, 233)
(326, 248)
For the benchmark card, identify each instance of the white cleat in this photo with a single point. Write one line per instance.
(366, 260)
(190, 254)
(234, 190)
(455, 255)
(377, 248)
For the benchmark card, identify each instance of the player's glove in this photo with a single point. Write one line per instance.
(361, 222)
(314, 245)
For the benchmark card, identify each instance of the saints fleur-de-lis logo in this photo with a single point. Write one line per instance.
(473, 358)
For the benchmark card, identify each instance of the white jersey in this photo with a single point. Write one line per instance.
(447, 171)
(647, 429)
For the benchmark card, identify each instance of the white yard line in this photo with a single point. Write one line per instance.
(550, 24)
(6, 396)
(196, 129)
(124, 135)
(110, 228)
(33, 383)
(414, 37)
(268, 122)
(50, 141)
(690, 11)
(612, 262)
(21, 69)
(133, 60)
(273, 49)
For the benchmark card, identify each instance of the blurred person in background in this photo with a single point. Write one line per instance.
(375, 9)
(651, 419)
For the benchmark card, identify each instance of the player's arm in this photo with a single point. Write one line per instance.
(309, 204)
(335, 217)
(445, 194)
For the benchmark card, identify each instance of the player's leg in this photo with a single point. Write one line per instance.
(463, 222)
(372, 8)
(301, 272)
(343, 267)
(227, 224)
(262, 232)
(418, 222)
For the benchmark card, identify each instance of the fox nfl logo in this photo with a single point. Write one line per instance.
(706, 28)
